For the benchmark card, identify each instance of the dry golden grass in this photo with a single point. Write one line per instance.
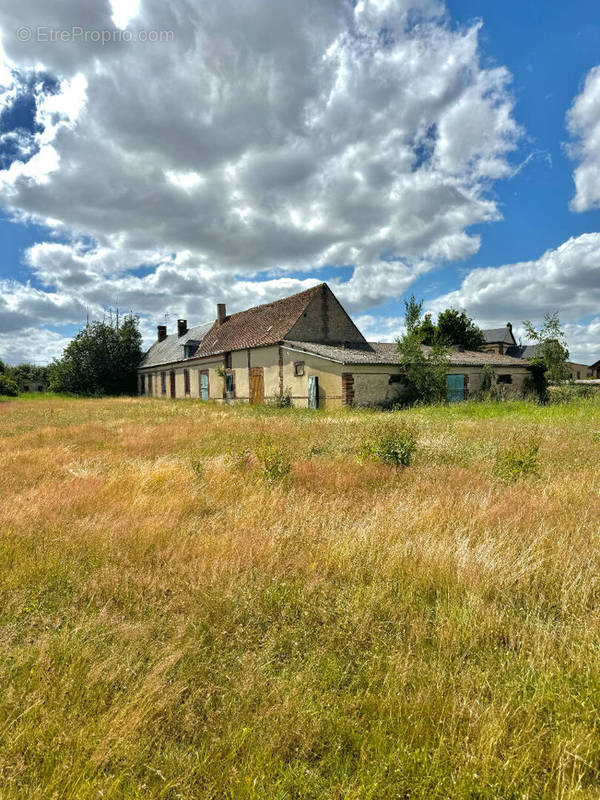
(174, 626)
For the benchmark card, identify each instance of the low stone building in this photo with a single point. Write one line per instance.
(502, 341)
(306, 344)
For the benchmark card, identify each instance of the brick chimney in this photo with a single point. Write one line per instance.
(181, 327)
(162, 333)
(221, 313)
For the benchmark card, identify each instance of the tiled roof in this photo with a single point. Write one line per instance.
(387, 353)
(171, 348)
(522, 351)
(493, 335)
(258, 326)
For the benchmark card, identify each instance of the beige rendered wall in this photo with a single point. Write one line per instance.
(328, 372)
(372, 383)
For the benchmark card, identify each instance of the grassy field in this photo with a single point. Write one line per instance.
(173, 625)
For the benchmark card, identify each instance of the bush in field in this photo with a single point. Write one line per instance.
(283, 400)
(519, 459)
(392, 443)
(569, 392)
(274, 461)
(7, 387)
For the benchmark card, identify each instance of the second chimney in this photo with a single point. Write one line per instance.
(221, 313)
(181, 327)
(162, 333)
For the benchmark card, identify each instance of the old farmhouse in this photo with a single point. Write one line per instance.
(306, 344)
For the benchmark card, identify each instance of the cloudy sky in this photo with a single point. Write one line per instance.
(166, 156)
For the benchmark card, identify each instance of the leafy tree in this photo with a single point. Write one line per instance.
(2, 367)
(101, 359)
(453, 327)
(8, 388)
(551, 352)
(424, 368)
(27, 373)
(412, 313)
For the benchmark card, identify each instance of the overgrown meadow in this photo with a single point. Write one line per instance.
(216, 602)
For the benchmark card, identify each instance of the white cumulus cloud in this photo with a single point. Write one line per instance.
(565, 279)
(583, 120)
(264, 138)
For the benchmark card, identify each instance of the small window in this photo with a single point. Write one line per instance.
(396, 379)
(504, 379)
(299, 368)
(163, 382)
(227, 360)
(186, 381)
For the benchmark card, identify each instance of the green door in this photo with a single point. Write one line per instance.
(204, 385)
(455, 388)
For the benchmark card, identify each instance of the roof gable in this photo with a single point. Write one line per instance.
(324, 320)
(258, 326)
(496, 335)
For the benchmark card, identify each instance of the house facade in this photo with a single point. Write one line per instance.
(306, 344)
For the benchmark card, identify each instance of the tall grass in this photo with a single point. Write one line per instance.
(172, 625)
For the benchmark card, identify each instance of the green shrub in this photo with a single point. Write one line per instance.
(393, 443)
(274, 461)
(283, 399)
(519, 459)
(7, 387)
(567, 392)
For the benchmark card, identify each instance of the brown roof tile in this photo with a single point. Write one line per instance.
(258, 326)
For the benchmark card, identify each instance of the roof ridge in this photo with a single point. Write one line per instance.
(275, 302)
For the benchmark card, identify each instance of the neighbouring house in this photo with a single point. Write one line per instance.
(33, 386)
(306, 343)
(595, 368)
(502, 340)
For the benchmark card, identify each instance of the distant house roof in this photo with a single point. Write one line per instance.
(522, 350)
(258, 326)
(172, 348)
(495, 335)
(387, 353)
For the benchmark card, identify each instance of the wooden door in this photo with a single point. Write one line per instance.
(204, 385)
(172, 378)
(257, 385)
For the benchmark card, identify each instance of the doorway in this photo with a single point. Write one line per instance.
(455, 388)
(313, 392)
(204, 385)
(172, 379)
(257, 385)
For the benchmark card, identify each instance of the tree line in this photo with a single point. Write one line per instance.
(102, 359)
